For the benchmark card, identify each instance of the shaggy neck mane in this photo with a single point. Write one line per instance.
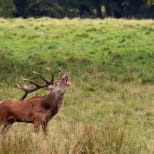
(52, 101)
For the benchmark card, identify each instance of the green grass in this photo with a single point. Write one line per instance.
(122, 49)
(109, 107)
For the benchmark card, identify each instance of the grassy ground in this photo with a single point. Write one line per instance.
(109, 107)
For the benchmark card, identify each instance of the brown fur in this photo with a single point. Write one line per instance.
(37, 110)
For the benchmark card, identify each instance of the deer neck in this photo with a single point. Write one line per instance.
(52, 101)
(55, 97)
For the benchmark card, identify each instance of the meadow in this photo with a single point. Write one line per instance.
(109, 107)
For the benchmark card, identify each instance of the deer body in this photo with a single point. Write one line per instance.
(37, 110)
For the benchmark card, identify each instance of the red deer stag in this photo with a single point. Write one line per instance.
(37, 110)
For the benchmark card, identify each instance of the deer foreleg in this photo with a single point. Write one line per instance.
(36, 127)
(44, 127)
(6, 127)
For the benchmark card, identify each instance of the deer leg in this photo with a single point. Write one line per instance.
(36, 127)
(44, 127)
(6, 127)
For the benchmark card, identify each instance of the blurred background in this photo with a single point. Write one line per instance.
(77, 8)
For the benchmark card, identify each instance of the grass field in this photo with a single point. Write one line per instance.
(109, 108)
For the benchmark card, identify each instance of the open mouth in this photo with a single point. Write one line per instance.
(67, 82)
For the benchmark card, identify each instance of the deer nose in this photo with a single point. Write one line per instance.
(68, 83)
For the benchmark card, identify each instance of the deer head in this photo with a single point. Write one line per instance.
(60, 85)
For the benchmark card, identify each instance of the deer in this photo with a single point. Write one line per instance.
(37, 110)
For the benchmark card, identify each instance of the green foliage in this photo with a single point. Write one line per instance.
(150, 2)
(44, 8)
(77, 8)
(7, 8)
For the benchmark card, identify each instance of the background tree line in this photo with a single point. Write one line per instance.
(76, 8)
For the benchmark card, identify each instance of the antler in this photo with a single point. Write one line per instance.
(60, 73)
(37, 86)
(52, 75)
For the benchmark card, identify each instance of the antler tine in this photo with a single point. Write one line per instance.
(41, 77)
(26, 90)
(52, 78)
(18, 86)
(34, 83)
(37, 85)
(60, 73)
(52, 75)
(29, 90)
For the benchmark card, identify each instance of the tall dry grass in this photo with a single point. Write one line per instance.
(69, 139)
(109, 137)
